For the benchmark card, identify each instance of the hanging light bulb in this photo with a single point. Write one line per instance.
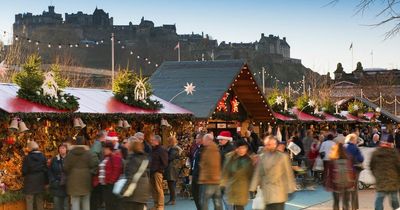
(49, 45)
(87, 45)
(102, 41)
(70, 45)
(138, 57)
(97, 43)
(16, 38)
(37, 42)
(76, 45)
(59, 46)
(131, 53)
(29, 40)
(123, 47)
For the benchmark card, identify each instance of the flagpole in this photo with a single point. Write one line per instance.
(179, 52)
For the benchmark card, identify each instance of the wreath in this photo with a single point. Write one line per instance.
(44, 87)
(134, 90)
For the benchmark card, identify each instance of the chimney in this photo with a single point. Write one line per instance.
(262, 35)
(284, 39)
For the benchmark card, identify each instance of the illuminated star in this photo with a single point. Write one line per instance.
(189, 88)
(355, 107)
(311, 103)
(279, 100)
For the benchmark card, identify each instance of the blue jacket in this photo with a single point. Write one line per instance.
(355, 153)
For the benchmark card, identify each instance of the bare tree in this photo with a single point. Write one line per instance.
(388, 13)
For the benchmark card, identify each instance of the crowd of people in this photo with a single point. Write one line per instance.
(227, 170)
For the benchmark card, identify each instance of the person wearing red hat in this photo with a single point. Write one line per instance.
(225, 144)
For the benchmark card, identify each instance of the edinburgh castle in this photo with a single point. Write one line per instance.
(86, 39)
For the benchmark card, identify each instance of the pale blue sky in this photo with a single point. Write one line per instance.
(318, 35)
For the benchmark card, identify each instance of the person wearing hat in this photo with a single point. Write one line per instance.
(34, 170)
(236, 175)
(225, 146)
(385, 166)
(110, 170)
(79, 166)
(112, 137)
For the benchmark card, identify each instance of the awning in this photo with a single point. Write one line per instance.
(91, 101)
(302, 116)
(331, 118)
(282, 117)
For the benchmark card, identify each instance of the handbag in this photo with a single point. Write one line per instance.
(258, 202)
(120, 184)
(318, 164)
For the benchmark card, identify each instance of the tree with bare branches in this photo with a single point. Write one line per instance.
(389, 12)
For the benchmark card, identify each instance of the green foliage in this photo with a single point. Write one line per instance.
(302, 104)
(271, 99)
(356, 107)
(328, 106)
(124, 90)
(30, 80)
(61, 82)
(11, 196)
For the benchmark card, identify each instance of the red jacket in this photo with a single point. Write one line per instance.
(113, 168)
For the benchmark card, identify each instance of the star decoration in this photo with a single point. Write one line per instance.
(355, 107)
(311, 103)
(279, 100)
(189, 88)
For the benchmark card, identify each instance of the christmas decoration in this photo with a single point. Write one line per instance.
(356, 108)
(280, 103)
(44, 88)
(235, 105)
(279, 100)
(134, 90)
(222, 107)
(189, 88)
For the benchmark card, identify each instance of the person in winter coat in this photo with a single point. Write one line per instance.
(158, 164)
(225, 145)
(210, 174)
(172, 171)
(341, 177)
(79, 166)
(57, 179)
(34, 170)
(142, 194)
(236, 175)
(357, 158)
(385, 166)
(195, 170)
(274, 175)
(110, 169)
(96, 196)
(299, 157)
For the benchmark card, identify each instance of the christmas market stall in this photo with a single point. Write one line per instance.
(223, 95)
(39, 107)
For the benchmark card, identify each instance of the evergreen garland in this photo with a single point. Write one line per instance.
(31, 79)
(125, 90)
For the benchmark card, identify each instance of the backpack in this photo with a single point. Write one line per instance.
(343, 175)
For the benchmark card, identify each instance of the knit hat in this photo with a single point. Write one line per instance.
(240, 143)
(225, 135)
(112, 136)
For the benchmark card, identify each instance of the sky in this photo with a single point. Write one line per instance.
(319, 35)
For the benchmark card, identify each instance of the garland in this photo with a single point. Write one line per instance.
(134, 90)
(44, 87)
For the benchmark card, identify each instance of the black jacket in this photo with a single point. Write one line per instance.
(143, 189)
(57, 177)
(34, 170)
(225, 149)
(196, 162)
(159, 160)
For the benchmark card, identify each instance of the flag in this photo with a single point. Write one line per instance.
(177, 46)
(351, 46)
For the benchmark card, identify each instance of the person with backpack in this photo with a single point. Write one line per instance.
(172, 170)
(341, 178)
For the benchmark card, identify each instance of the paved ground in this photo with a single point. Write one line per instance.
(310, 200)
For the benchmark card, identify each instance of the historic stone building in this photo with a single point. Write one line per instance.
(370, 83)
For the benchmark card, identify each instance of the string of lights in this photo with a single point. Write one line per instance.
(85, 44)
